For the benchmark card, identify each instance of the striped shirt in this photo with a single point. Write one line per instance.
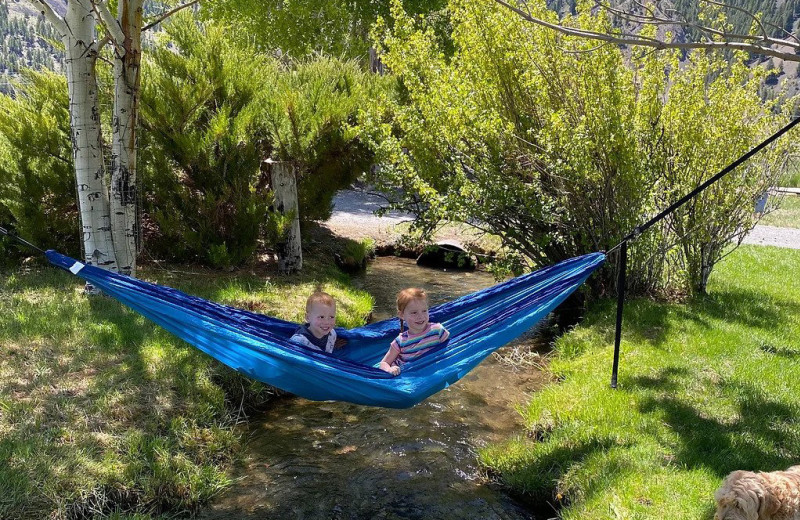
(410, 346)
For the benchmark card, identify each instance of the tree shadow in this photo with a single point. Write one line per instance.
(759, 436)
(744, 307)
(644, 321)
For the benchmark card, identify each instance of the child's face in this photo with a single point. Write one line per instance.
(415, 315)
(321, 318)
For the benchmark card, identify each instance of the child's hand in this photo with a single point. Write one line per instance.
(394, 370)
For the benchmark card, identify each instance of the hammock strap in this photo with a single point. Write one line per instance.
(4, 231)
(622, 261)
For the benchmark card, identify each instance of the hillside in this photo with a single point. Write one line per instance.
(26, 40)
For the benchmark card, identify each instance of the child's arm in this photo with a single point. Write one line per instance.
(389, 358)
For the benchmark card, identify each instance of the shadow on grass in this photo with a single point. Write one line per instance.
(80, 371)
(544, 472)
(759, 436)
(646, 321)
(742, 307)
(85, 370)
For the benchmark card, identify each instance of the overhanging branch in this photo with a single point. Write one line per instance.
(107, 20)
(163, 16)
(631, 39)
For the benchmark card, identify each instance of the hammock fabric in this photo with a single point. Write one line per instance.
(258, 345)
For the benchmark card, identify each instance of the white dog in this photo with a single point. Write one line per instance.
(745, 495)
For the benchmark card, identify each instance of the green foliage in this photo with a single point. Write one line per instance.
(202, 166)
(560, 147)
(309, 119)
(302, 29)
(213, 111)
(37, 183)
(791, 178)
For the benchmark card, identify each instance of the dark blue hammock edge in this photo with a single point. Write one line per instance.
(257, 345)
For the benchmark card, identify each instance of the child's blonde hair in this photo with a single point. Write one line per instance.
(405, 296)
(319, 297)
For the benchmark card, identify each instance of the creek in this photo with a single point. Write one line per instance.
(331, 460)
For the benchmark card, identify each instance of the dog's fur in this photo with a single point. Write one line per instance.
(745, 495)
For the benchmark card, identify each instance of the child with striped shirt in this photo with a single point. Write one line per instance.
(420, 335)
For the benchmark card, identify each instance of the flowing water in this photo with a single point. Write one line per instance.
(332, 460)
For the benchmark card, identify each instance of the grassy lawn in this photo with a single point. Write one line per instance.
(788, 215)
(706, 387)
(792, 180)
(104, 414)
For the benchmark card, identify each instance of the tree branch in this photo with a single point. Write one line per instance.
(653, 20)
(626, 39)
(106, 19)
(51, 16)
(103, 41)
(745, 11)
(163, 16)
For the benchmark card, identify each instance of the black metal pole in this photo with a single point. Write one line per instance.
(622, 266)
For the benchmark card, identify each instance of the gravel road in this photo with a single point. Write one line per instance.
(353, 216)
(774, 236)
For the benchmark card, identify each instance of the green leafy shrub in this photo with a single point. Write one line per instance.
(561, 147)
(309, 119)
(301, 29)
(37, 181)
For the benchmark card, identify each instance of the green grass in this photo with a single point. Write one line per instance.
(791, 180)
(104, 414)
(705, 387)
(788, 215)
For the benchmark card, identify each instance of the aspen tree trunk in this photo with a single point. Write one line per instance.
(81, 50)
(124, 199)
(284, 185)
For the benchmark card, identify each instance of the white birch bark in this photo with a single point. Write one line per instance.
(81, 55)
(284, 185)
(104, 239)
(124, 199)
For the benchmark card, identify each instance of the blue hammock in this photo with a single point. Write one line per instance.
(258, 346)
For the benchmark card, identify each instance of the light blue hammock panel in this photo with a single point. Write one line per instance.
(258, 345)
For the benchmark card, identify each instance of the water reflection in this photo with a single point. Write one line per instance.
(311, 460)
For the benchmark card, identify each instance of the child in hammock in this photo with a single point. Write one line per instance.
(317, 333)
(420, 335)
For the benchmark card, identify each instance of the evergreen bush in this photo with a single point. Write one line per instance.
(310, 119)
(204, 192)
(37, 180)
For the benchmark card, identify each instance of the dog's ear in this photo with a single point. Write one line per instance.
(749, 504)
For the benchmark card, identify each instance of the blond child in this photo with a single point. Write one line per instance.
(318, 333)
(420, 335)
